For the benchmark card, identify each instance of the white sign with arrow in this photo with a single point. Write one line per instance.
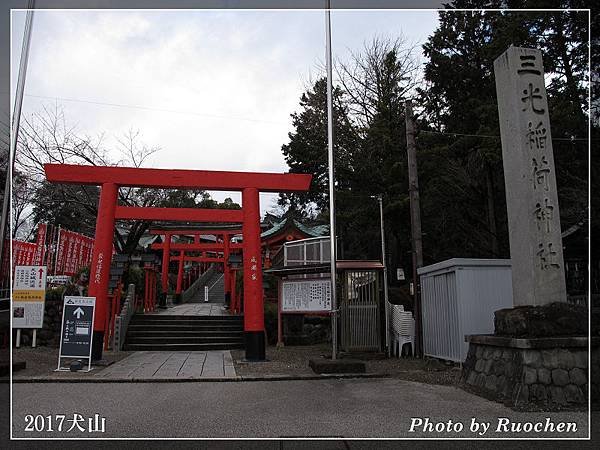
(77, 329)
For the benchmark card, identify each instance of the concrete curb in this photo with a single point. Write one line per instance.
(235, 379)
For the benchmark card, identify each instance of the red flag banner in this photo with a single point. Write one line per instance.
(73, 252)
(40, 245)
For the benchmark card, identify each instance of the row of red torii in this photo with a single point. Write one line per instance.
(248, 183)
(217, 252)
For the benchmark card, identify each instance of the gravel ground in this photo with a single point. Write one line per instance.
(42, 361)
(293, 360)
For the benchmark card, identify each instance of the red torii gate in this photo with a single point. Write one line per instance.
(249, 183)
(225, 247)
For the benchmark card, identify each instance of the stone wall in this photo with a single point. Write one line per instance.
(551, 372)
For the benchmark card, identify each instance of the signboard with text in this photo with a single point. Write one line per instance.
(306, 295)
(58, 279)
(77, 328)
(28, 296)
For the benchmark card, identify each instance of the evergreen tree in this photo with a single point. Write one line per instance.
(306, 151)
(460, 101)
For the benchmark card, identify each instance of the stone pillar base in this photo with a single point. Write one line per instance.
(551, 372)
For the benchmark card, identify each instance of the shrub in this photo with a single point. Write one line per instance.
(271, 321)
(135, 275)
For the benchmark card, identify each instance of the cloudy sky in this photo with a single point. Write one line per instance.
(213, 89)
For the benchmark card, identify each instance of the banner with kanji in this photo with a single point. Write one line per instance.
(64, 252)
(74, 251)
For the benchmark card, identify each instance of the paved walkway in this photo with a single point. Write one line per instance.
(195, 309)
(155, 365)
(319, 408)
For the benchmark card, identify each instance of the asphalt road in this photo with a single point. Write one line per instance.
(277, 409)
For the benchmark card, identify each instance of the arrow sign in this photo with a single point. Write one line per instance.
(41, 272)
(78, 312)
(76, 332)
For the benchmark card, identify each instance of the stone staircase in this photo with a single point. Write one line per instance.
(155, 332)
(216, 290)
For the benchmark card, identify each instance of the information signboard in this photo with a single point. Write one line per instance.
(306, 295)
(77, 328)
(28, 296)
(58, 280)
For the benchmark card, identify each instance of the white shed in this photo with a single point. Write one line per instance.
(459, 297)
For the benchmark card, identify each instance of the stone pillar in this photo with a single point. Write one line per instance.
(531, 197)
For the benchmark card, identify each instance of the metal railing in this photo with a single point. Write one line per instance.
(306, 251)
(123, 318)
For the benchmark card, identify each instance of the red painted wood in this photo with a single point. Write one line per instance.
(253, 290)
(191, 232)
(165, 264)
(197, 259)
(176, 178)
(180, 272)
(102, 254)
(199, 247)
(179, 214)
(226, 246)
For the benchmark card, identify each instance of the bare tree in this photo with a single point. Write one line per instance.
(384, 68)
(21, 210)
(47, 138)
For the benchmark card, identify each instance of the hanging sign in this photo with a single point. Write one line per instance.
(28, 296)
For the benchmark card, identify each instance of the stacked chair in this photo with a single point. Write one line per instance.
(402, 329)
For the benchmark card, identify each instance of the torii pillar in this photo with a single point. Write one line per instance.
(101, 260)
(165, 265)
(254, 323)
(226, 271)
(180, 272)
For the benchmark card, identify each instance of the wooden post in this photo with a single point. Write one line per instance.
(415, 219)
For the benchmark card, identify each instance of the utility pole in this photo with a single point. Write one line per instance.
(16, 118)
(385, 276)
(332, 241)
(415, 219)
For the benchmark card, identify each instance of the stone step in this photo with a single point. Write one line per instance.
(185, 327)
(184, 340)
(180, 333)
(183, 347)
(189, 323)
(149, 318)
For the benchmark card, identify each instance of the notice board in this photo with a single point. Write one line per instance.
(28, 296)
(306, 295)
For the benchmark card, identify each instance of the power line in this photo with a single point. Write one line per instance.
(148, 108)
(490, 136)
